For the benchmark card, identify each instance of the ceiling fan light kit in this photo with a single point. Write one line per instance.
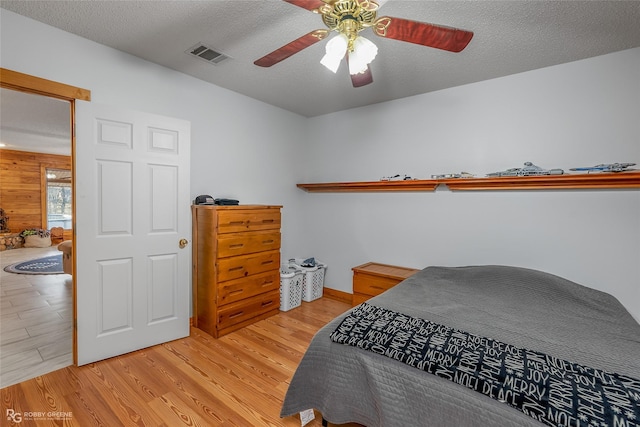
(348, 18)
(336, 49)
(363, 53)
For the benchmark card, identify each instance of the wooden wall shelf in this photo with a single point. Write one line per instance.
(333, 187)
(547, 182)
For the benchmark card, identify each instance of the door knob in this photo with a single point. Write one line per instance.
(182, 243)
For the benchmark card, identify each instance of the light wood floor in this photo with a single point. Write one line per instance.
(237, 380)
(36, 319)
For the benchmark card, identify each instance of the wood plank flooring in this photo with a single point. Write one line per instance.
(237, 380)
(36, 319)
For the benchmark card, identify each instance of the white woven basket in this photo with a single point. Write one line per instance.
(313, 282)
(290, 287)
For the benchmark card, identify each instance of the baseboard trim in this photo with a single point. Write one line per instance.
(337, 295)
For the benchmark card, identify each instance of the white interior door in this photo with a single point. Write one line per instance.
(132, 209)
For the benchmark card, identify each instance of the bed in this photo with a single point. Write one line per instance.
(525, 308)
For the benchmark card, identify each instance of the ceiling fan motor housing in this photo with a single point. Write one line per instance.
(349, 17)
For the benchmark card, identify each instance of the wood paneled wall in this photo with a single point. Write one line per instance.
(21, 186)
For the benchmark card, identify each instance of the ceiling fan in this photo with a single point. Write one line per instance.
(348, 18)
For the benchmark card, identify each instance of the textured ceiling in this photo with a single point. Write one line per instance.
(509, 37)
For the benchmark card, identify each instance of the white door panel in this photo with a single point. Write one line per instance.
(132, 204)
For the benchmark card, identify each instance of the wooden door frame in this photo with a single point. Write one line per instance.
(26, 83)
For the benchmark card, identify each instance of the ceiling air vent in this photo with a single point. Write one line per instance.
(206, 54)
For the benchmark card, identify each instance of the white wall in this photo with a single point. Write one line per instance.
(241, 148)
(577, 114)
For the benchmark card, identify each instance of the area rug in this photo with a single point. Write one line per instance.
(47, 265)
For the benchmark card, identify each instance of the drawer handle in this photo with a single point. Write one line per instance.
(236, 222)
(236, 292)
(376, 287)
(267, 283)
(270, 261)
(267, 303)
(267, 221)
(267, 242)
(236, 246)
(234, 315)
(236, 268)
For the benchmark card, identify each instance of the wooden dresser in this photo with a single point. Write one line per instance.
(372, 279)
(236, 266)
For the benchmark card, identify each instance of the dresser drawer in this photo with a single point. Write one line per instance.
(249, 220)
(246, 265)
(246, 287)
(372, 285)
(246, 309)
(234, 244)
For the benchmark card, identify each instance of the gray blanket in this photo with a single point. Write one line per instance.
(525, 308)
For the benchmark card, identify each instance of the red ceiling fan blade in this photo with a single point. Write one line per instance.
(362, 79)
(291, 48)
(307, 4)
(446, 38)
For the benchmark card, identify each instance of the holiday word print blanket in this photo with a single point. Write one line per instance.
(553, 391)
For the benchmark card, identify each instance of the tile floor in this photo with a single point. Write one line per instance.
(36, 318)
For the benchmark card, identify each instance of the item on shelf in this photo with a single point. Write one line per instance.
(606, 167)
(204, 199)
(529, 169)
(397, 178)
(226, 202)
(453, 175)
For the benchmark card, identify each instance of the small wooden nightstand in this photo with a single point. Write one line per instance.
(372, 279)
